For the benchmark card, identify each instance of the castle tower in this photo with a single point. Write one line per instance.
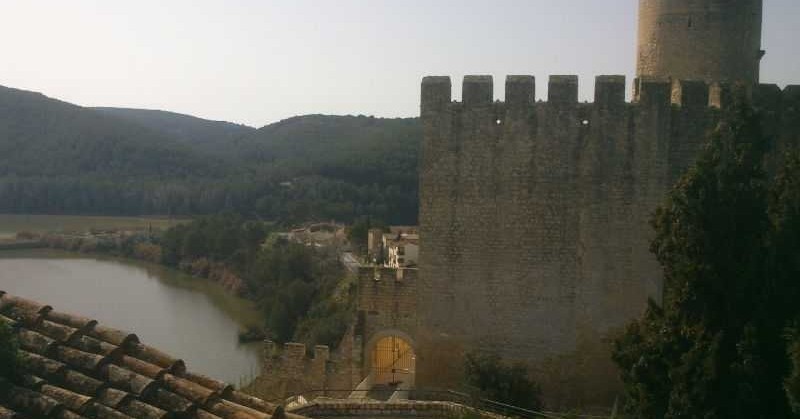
(709, 40)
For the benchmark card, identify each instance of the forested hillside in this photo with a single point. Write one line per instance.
(40, 136)
(201, 134)
(60, 158)
(331, 166)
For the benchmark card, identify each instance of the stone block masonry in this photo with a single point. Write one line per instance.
(534, 218)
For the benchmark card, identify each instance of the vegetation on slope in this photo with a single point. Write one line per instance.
(728, 239)
(9, 357)
(301, 289)
(60, 158)
(200, 134)
(42, 137)
(489, 377)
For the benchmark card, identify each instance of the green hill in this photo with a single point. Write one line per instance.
(41, 137)
(357, 149)
(336, 167)
(201, 134)
(61, 158)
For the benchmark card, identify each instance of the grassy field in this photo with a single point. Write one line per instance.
(11, 224)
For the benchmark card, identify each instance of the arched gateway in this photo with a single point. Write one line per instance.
(392, 360)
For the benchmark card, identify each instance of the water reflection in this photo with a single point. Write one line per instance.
(186, 317)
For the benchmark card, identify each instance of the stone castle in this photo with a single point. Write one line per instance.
(534, 215)
(534, 235)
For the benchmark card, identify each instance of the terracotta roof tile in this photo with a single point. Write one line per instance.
(112, 397)
(35, 342)
(211, 383)
(78, 322)
(82, 361)
(192, 391)
(15, 307)
(99, 411)
(125, 379)
(8, 414)
(55, 331)
(31, 402)
(230, 410)
(169, 401)
(40, 365)
(66, 414)
(153, 355)
(145, 368)
(81, 383)
(141, 410)
(95, 346)
(200, 414)
(75, 368)
(72, 401)
(113, 336)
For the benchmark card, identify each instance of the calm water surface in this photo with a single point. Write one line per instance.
(188, 318)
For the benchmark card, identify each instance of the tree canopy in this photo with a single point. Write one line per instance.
(727, 239)
(59, 158)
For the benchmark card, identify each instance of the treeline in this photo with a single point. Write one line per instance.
(302, 290)
(300, 200)
(58, 158)
(724, 341)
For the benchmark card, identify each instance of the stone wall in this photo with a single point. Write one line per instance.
(387, 304)
(534, 219)
(347, 409)
(288, 370)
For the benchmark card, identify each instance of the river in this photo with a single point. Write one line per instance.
(189, 318)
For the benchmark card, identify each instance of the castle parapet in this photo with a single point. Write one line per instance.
(520, 91)
(609, 92)
(477, 91)
(436, 91)
(562, 89)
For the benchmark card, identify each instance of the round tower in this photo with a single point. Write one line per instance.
(711, 40)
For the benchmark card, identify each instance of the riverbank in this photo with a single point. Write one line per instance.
(300, 287)
(11, 224)
(17, 244)
(194, 319)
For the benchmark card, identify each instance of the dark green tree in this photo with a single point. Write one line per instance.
(496, 381)
(785, 214)
(793, 381)
(9, 357)
(358, 232)
(715, 348)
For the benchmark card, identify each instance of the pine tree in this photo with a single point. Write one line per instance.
(715, 347)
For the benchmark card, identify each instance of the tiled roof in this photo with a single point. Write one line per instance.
(72, 367)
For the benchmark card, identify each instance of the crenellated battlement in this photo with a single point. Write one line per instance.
(609, 92)
(295, 351)
(534, 218)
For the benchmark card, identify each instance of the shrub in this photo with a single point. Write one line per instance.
(500, 382)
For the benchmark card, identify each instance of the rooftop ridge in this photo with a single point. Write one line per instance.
(74, 366)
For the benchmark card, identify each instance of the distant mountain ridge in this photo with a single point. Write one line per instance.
(57, 157)
(207, 134)
(41, 136)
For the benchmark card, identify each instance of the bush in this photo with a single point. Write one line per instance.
(8, 352)
(147, 251)
(499, 382)
(793, 381)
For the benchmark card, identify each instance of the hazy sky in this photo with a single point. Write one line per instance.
(260, 61)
